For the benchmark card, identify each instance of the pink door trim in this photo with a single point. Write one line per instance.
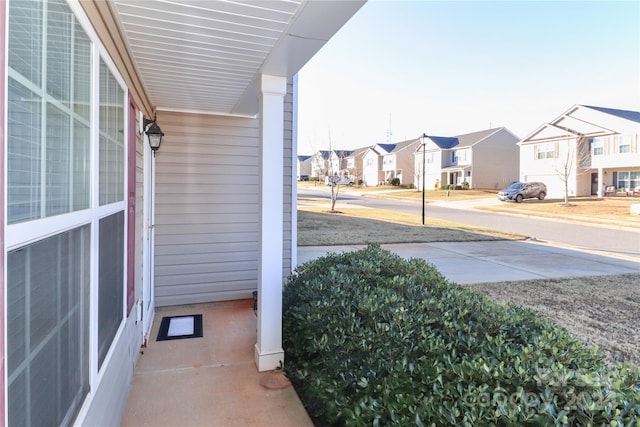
(131, 207)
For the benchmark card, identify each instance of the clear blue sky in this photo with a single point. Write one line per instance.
(452, 67)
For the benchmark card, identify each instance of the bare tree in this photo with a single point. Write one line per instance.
(572, 163)
(335, 180)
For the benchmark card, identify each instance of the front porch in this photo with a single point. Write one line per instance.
(210, 381)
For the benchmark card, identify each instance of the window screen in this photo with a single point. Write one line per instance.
(111, 281)
(48, 333)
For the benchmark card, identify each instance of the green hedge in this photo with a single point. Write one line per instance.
(372, 339)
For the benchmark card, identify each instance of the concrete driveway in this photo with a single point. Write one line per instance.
(496, 261)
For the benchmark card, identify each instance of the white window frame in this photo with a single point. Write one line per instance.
(546, 150)
(623, 143)
(597, 145)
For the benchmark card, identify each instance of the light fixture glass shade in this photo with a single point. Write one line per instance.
(155, 136)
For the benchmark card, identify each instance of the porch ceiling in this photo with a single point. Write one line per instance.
(206, 56)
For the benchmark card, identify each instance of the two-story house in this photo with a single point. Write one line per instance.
(338, 162)
(372, 174)
(483, 159)
(320, 165)
(583, 151)
(354, 164)
(397, 160)
(304, 167)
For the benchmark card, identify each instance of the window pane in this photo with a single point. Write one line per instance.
(111, 281)
(48, 161)
(23, 154)
(81, 73)
(111, 138)
(80, 167)
(48, 324)
(25, 39)
(59, 45)
(58, 167)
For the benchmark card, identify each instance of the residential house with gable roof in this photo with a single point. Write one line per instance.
(355, 164)
(484, 159)
(320, 165)
(304, 166)
(338, 162)
(372, 173)
(586, 148)
(397, 160)
(97, 229)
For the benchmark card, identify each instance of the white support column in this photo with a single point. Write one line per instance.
(268, 350)
(601, 183)
(294, 177)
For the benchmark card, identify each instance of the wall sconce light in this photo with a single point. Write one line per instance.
(154, 133)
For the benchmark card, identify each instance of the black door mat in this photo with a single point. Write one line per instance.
(180, 327)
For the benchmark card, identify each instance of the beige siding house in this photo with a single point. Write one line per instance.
(397, 160)
(304, 166)
(483, 159)
(354, 166)
(97, 229)
(588, 150)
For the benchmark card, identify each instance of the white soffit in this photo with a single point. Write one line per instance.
(580, 127)
(206, 55)
(548, 132)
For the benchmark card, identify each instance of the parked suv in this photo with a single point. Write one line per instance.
(523, 190)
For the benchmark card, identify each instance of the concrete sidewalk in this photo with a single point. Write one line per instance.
(496, 261)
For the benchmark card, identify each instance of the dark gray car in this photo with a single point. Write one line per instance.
(519, 191)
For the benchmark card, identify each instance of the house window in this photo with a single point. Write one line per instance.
(623, 143)
(111, 138)
(53, 157)
(546, 151)
(459, 156)
(111, 267)
(48, 120)
(597, 146)
(369, 162)
(48, 330)
(628, 180)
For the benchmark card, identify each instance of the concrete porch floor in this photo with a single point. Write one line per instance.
(210, 381)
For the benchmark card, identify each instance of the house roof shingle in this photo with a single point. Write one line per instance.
(387, 147)
(445, 142)
(634, 116)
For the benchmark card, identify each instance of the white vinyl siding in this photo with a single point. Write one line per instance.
(207, 205)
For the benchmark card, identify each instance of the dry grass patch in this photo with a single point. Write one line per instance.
(317, 227)
(592, 208)
(601, 311)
